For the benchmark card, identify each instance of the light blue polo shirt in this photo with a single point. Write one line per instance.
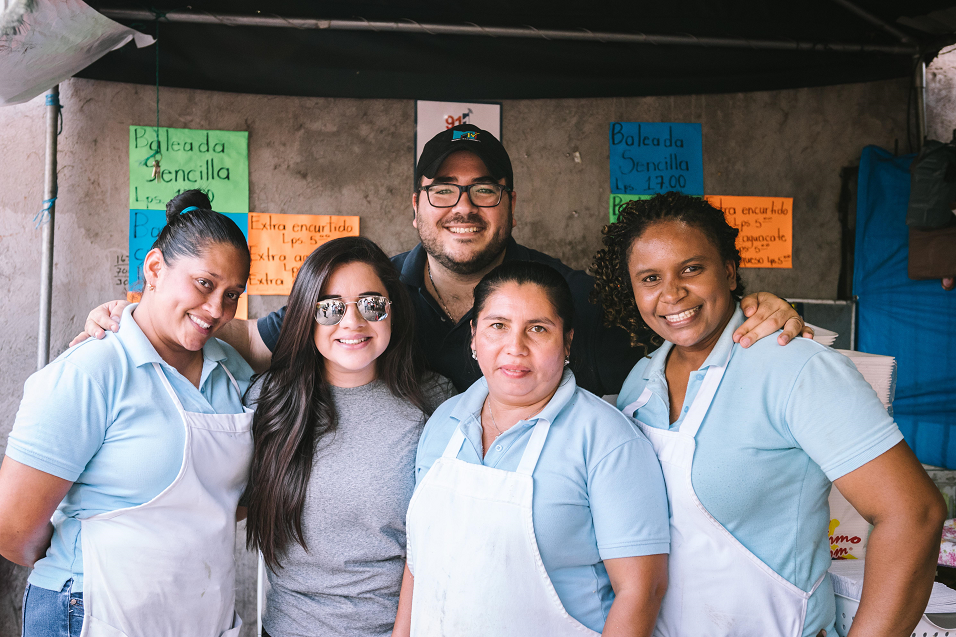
(100, 417)
(598, 488)
(786, 421)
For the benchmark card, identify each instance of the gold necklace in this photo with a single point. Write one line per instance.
(428, 269)
(493, 421)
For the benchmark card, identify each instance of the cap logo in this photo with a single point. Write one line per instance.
(470, 135)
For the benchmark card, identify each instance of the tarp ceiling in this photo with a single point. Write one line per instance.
(329, 63)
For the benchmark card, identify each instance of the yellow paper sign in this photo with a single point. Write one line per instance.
(766, 228)
(280, 243)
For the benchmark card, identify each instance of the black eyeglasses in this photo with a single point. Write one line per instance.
(332, 311)
(447, 195)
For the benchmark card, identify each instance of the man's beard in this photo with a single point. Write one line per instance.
(477, 262)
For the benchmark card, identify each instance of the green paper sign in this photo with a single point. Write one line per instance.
(619, 201)
(214, 161)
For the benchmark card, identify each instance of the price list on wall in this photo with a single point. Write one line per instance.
(766, 228)
(651, 158)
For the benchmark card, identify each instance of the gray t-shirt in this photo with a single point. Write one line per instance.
(363, 476)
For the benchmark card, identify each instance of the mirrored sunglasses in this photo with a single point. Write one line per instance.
(332, 311)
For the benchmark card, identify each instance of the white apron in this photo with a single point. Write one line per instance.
(166, 568)
(716, 586)
(474, 555)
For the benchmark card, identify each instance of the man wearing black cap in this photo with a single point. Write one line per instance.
(464, 212)
(463, 204)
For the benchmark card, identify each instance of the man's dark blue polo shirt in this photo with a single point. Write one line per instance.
(601, 357)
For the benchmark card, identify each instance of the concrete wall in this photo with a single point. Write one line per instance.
(338, 156)
(941, 96)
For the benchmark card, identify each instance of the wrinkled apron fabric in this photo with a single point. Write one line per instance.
(166, 568)
(716, 586)
(473, 552)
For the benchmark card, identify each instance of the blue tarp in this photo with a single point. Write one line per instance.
(915, 321)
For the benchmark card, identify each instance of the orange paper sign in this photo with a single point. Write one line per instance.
(281, 243)
(766, 228)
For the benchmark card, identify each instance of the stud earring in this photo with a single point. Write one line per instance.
(474, 354)
(567, 360)
(150, 287)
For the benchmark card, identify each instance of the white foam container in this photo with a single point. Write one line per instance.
(942, 625)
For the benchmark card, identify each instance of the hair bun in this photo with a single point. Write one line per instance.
(184, 201)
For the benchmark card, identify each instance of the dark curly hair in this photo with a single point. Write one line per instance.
(612, 285)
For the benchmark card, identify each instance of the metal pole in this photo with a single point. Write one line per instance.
(411, 26)
(853, 305)
(872, 19)
(49, 205)
(919, 81)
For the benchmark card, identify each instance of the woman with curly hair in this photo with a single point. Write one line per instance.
(750, 441)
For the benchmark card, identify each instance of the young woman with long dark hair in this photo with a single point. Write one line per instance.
(338, 417)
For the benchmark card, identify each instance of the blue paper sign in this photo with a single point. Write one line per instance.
(648, 158)
(145, 226)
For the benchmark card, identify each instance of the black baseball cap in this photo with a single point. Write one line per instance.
(470, 138)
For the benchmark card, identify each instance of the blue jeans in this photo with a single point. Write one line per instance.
(49, 613)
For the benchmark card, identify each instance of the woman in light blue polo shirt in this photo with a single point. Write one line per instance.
(750, 440)
(539, 509)
(128, 455)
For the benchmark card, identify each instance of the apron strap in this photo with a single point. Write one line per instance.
(233, 379)
(169, 388)
(528, 459)
(454, 445)
(815, 586)
(533, 451)
(705, 396)
(645, 396)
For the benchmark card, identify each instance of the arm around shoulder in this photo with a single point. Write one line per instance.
(766, 314)
(244, 337)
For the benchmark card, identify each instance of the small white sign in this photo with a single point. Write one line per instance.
(434, 117)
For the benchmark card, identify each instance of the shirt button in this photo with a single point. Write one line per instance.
(497, 447)
(73, 602)
(686, 409)
(700, 377)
